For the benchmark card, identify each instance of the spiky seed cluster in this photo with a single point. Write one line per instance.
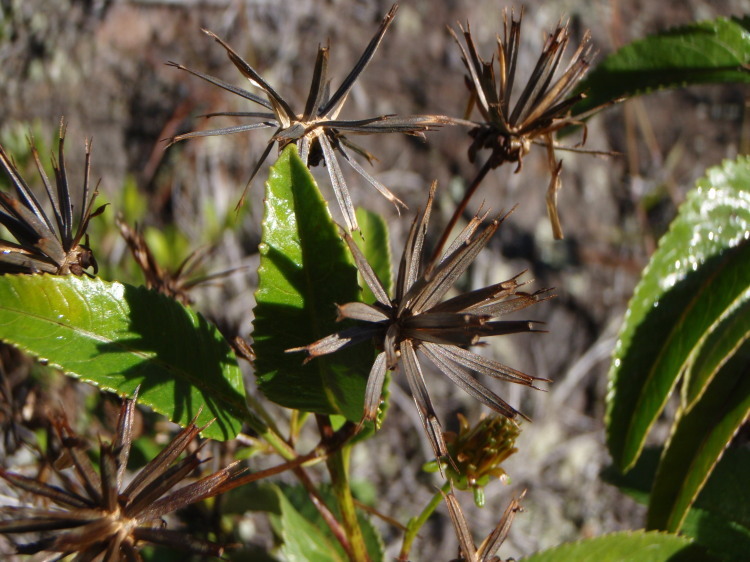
(42, 247)
(544, 106)
(317, 131)
(95, 514)
(418, 320)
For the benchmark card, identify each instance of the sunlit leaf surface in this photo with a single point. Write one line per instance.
(119, 337)
(695, 280)
(305, 270)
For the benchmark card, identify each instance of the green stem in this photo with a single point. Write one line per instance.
(338, 467)
(270, 435)
(333, 442)
(416, 523)
(295, 464)
(338, 531)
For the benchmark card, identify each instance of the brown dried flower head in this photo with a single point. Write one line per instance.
(544, 106)
(317, 131)
(417, 319)
(41, 247)
(97, 516)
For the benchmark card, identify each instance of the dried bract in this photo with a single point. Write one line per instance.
(468, 552)
(17, 398)
(418, 320)
(544, 106)
(174, 284)
(95, 514)
(41, 247)
(317, 131)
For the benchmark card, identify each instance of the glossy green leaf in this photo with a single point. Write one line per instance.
(119, 337)
(720, 517)
(695, 279)
(699, 437)
(628, 546)
(731, 333)
(305, 270)
(374, 242)
(704, 52)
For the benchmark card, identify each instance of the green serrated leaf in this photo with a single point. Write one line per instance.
(305, 270)
(699, 437)
(627, 546)
(720, 517)
(713, 51)
(730, 334)
(697, 276)
(119, 337)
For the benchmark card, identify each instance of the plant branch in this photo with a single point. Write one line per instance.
(488, 165)
(330, 444)
(338, 468)
(416, 523)
(338, 531)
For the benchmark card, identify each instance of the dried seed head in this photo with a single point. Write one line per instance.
(318, 132)
(545, 105)
(95, 513)
(417, 319)
(41, 247)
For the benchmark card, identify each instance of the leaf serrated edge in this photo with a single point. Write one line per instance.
(727, 168)
(113, 290)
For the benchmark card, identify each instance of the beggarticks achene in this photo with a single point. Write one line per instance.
(40, 246)
(317, 131)
(96, 515)
(418, 320)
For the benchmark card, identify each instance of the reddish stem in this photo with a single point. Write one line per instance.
(488, 165)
